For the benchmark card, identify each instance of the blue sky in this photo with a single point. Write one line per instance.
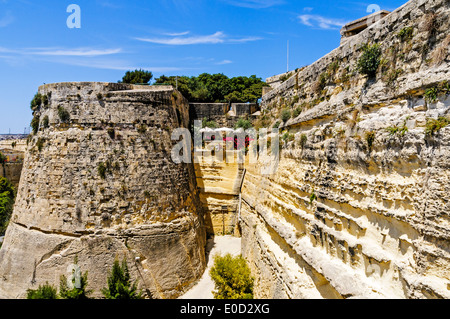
(171, 37)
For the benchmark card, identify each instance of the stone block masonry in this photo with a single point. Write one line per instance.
(359, 206)
(99, 183)
(223, 114)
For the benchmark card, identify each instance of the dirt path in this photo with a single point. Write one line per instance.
(219, 245)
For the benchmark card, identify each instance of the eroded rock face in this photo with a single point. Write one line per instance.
(359, 206)
(99, 183)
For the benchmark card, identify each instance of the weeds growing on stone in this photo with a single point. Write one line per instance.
(435, 125)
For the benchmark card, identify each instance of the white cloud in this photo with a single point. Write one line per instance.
(82, 57)
(224, 62)
(217, 37)
(254, 4)
(180, 39)
(80, 52)
(175, 34)
(75, 52)
(243, 40)
(317, 21)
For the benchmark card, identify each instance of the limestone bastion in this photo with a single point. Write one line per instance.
(98, 183)
(359, 206)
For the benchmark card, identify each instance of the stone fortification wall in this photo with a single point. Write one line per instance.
(99, 183)
(359, 206)
(224, 114)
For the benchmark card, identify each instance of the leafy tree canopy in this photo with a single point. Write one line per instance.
(7, 195)
(216, 88)
(137, 77)
(232, 278)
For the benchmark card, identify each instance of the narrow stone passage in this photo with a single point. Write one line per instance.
(221, 245)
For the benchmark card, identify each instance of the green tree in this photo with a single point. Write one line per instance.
(76, 289)
(232, 278)
(43, 292)
(119, 283)
(210, 88)
(7, 196)
(137, 77)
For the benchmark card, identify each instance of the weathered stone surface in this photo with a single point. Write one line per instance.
(359, 206)
(143, 206)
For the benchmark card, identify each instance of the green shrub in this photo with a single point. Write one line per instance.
(43, 292)
(232, 278)
(370, 138)
(119, 283)
(431, 95)
(402, 130)
(406, 33)
(45, 122)
(101, 170)
(36, 102)
(243, 123)
(71, 291)
(277, 124)
(210, 124)
(303, 140)
(321, 83)
(64, 116)
(333, 67)
(35, 124)
(287, 137)
(444, 87)
(40, 144)
(312, 197)
(433, 126)
(285, 115)
(297, 112)
(285, 77)
(370, 60)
